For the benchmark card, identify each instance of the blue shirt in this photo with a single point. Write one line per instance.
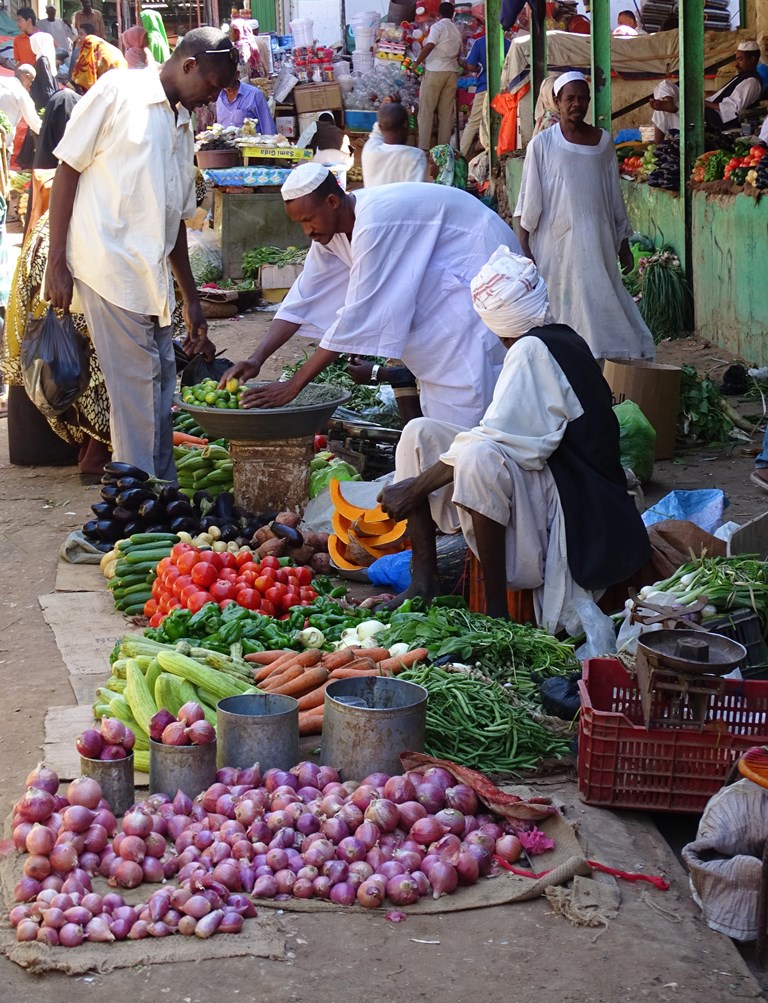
(477, 57)
(249, 103)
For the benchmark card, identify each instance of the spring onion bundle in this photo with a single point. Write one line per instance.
(666, 303)
(726, 582)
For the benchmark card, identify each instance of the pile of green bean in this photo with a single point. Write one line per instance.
(471, 722)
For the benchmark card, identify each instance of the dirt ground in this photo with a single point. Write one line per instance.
(657, 949)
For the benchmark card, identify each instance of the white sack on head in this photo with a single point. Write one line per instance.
(509, 294)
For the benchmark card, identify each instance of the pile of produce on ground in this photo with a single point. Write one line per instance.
(666, 168)
(705, 415)
(300, 834)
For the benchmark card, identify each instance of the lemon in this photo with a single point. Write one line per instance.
(232, 385)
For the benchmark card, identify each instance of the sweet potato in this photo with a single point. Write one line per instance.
(321, 564)
(272, 548)
(262, 535)
(301, 555)
(288, 519)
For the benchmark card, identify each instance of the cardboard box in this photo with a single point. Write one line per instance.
(279, 276)
(286, 126)
(317, 97)
(656, 391)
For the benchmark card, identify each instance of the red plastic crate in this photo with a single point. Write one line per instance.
(623, 764)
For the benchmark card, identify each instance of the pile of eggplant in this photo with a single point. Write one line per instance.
(133, 502)
(666, 171)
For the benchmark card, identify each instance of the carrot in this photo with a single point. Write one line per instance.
(184, 439)
(314, 698)
(375, 654)
(273, 683)
(308, 680)
(353, 673)
(268, 672)
(312, 724)
(396, 665)
(335, 659)
(279, 663)
(266, 657)
(358, 665)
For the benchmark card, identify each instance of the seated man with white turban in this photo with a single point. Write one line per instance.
(537, 488)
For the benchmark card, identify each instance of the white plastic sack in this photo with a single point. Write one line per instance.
(583, 616)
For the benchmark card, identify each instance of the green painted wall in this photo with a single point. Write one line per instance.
(730, 237)
(657, 213)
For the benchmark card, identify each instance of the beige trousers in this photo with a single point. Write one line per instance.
(477, 122)
(437, 93)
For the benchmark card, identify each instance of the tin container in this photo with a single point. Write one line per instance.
(188, 768)
(115, 777)
(358, 740)
(258, 728)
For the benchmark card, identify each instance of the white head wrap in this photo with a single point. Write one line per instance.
(509, 294)
(567, 78)
(43, 45)
(749, 46)
(303, 180)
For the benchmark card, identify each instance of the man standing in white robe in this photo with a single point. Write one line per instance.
(388, 274)
(574, 225)
(537, 487)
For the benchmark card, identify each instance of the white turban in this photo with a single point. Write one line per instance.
(509, 294)
(303, 180)
(567, 78)
(749, 46)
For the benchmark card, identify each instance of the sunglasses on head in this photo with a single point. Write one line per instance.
(232, 53)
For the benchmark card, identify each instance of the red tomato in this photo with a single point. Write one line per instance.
(178, 549)
(243, 557)
(304, 574)
(197, 600)
(282, 575)
(249, 598)
(291, 599)
(307, 594)
(263, 582)
(173, 603)
(170, 575)
(157, 619)
(221, 590)
(293, 582)
(228, 602)
(228, 575)
(250, 566)
(246, 578)
(164, 565)
(187, 561)
(227, 560)
(275, 595)
(269, 562)
(157, 588)
(180, 584)
(150, 607)
(204, 574)
(187, 593)
(267, 608)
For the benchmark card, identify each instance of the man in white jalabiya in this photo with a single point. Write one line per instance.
(723, 108)
(574, 225)
(386, 158)
(388, 274)
(666, 109)
(536, 487)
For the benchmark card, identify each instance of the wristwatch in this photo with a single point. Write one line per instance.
(375, 372)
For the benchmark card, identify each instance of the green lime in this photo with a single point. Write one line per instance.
(221, 404)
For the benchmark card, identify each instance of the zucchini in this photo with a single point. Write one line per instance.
(215, 682)
(153, 671)
(144, 538)
(167, 693)
(134, 604)
(140, 761)
(147, 557)
(137, 609)
(116, 685)
(140, 700)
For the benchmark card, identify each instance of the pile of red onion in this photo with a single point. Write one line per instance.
(113, 740)
(188, 727)
(299, 834)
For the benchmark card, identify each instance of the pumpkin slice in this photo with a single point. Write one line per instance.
(370, 546)
(398, 534)
(338, 555)
(363, 527)
(342, 506)
(359, 553)
(341, 526)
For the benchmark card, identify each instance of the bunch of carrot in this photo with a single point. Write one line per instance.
(306, 674)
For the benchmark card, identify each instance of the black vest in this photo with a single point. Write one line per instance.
(731, 86)
(607, 541)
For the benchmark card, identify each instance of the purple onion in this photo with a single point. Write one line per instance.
(89, 744)
(443, 878)
(336, 870)
(71, 935)
(343, 893)
(322, 887)
(97, 929)
(463, 798)
(209, 924)
(431, 797)
(335, 829)
(35, 805)
(265, 887)
(285, 879)
(351, 849)
(399, 790)
(467, 868)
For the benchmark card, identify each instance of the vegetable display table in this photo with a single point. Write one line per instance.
(247, 219)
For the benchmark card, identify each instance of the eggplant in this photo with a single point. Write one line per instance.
(109, 492)
(223, 507)
(206, 522)
(125, 470)
(121, 514)
(124, 483)
(136, 526)
(89, 529)
(152, 509)
(157, 527)
(176, 509)
(202, 496)
(109, 479)
(283, 532)
(184, 524)
(169, 493)
(102, 509)
(133, 497)
(104, 547)
(109, 531)
(229, 533)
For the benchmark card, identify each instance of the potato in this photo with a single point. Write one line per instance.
(271, 548)
(317, 541)
(288, 519)
(302, 555)
(321, 564)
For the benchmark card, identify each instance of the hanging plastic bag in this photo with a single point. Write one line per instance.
(55, 363)
(198, 368)
(637, 440)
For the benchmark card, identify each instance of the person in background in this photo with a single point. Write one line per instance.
(239, 101)
(451, 168)
(157, 38)
(536, 486)
(546, 109)
(328, 142)
(722, 109)
(94, 59)
(135, 45)
(82, 31)
(45, 83)
(626, 25)
(127, 300)
(386, 157)
(666, 109)
(88, 15)
(393, 372)
(478, 116)
(439, 55)
(15, 100)
(243, 37)
(61, 33)
(26, 22)
(62, 66)
(573, 223)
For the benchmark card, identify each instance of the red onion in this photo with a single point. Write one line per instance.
(242, 904)
(277, 820)
(322, 887)
(360, 869)
(37, 866)
(369, 833)
(447, 848)
(158, 723)
(481, 838)
(187, 926)
(76, 885)
(421, 881)
(96, 838)
(320, 851)
(410, 859)
(228, 873)
(209, 924)
(428, 862)
(112, 731)
(89, 862)
(402, 890)
(90, 744)
(443, 878)
(159, 904)
(139, 930)
(227, 775)
(35, 805)
(63, 858)
(20, 833)
(351, 815)
(376, 780)
(154, 845)
(375, 857)
(303, 888)
(43, 779)
(440, 777)
(20, 912)
(153, 870)
(52, 883)
(273, 779)
(326, 775)
(363, 796)
(452, 819)
(84, 791)
(343, 893)
(431, 796)
(492, 829)
(334, 829)
(390, 868)
(251, 775)
(175, 825)
(277, 859)
(243, 850)
(105, 818)
(26, 930)
(336, 870)
(509, 848)
(174, 733)
(54, 917)
(201, 733)
(265, 887)
(128, 874)
(247, 812)
(399, 790)
(120, 928)
(307, 871)
(132, 848)
(110, 753)
(467, 868)
(98, 930)
(190, 713)
(212, 795)
(47, 935)
(259, 832)
(77, 818)
(137, 823)
(71, 935)
(231, 922)
(426, 831)
(369, 894)
(159, 929)
(196, 906)
(40, 839)
(283, 797)
(470, 825)
(285, 879)
(62, 901)
(330, 805)
(308, 823)
(351, 849)
(463, 798)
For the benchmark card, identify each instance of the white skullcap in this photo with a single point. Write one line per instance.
(303, 180)
(748, 46)
(509, 295)
(567, 78)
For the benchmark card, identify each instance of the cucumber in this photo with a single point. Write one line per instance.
(136, 609)
(146, 556)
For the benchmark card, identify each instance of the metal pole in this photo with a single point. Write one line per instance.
(691, 29)
(494, 55)
(601, 65)
(538, 56)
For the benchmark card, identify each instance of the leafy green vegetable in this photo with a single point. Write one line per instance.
(336, 373)
(279, 256)
(701, 417)
(666, 302)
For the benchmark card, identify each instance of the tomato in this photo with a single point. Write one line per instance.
(222, 589)
(173, 604)
(275, 594)
(307, 594)
(267, 608)
(249, 598)
(291, 599)
(170, 575)
(282, 575)
(243, 557)
(293, 582)
(157, 619)
(157, 588)
(197, 600)
(180, 584)
(164, 565)
(269, 562)
(251, 566)
(246, 578)
(178, 549)
(188, 592)
(187, 561)
(150, 607)
(204, 574)
(227, 560)
(262, 583)
(320, 442)
(227, 602)
(304, 574)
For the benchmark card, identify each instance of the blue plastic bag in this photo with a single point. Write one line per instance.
(392, 571)
(703, 507)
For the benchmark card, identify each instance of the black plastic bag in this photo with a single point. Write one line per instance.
(199, 369)
(55, 363)
(560, 696)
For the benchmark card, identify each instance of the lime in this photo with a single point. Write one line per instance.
(221, 404)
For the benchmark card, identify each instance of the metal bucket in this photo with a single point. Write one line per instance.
(115, 777)
(258, 728)
(359, 740)
(188, 768)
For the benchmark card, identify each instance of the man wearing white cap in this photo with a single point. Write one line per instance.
(537, 486)
(574, 225)
(388, 274)
(722, 110)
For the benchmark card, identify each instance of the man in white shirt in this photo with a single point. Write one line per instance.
(59, 30)
(123, 189)
(722, 110)
(15, 100)
(386, 157)
(441, 73)
(666, 109)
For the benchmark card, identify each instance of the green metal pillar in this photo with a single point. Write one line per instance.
(494, 55)
(691, 103)
(601, 64)
(538, 54)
